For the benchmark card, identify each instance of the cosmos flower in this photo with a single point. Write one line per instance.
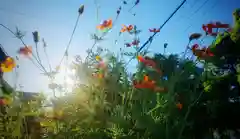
(8, 65)
(201, 53)
(107, 24)
(154, 30)
(126, 28)
(26, 51)
(208, 28)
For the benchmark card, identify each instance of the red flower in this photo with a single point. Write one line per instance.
(150, 63)
(26, 51)
(135, 42)
(154, 30)
(208, 28)
(148, 84)
(128, 44)
(179, 105)
(145, 84)
(201, 53)
(194, 47)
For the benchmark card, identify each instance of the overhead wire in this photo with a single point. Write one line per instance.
(198, 9)
(194, 13)
(212, 7)
(181, 17)
(46, 54)
(206, 11)
(152, 36)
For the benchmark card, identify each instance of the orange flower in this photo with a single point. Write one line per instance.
(201, 53)
(26, 51)
(98, 75)
(146, 83)
(145, 78)
(8, 65)
(107, 24)
(146, 61)
(140, 58)
(126, 28)
(179, 105)
(150, 63)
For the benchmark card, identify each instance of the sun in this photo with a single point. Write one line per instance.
(65, 78)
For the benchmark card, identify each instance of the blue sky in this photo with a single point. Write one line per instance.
(54, 20)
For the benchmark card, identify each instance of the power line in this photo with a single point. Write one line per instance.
(151, 37)
(198, 9)
(195, 12)
(192, 6)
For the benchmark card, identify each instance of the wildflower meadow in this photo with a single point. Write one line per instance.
(194, 95)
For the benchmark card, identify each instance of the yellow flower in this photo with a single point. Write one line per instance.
(98, 58)
(8, 65)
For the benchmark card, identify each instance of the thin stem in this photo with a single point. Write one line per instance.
(97, 10)
(167, 127)
(65, 74)
(187, 47)
(35, 64)
(70, 40)
(38, 57)
(50, 67)
(187, 114)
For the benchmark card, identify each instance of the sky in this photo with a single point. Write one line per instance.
(55, 19)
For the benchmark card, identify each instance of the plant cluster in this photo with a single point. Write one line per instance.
(167, 97)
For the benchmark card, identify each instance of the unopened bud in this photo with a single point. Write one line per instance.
(81, 9)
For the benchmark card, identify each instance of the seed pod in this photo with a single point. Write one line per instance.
(81, 9)
(35, 37)
(194, 36)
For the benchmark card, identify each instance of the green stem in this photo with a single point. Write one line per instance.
(46, 54)
(38, 57)
(186, 116)
(167, 127)
(185, 52)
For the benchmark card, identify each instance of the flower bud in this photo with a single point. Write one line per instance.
(35, 37)
(81, 9)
